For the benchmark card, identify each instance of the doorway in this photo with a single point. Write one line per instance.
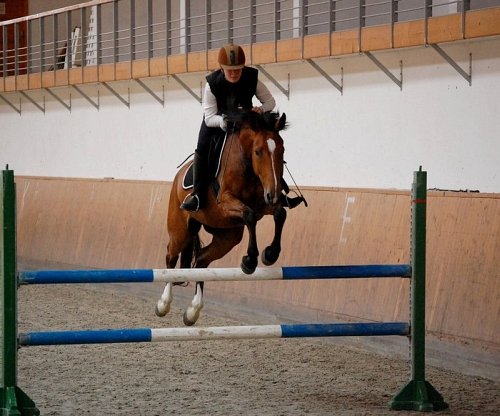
(13, 38)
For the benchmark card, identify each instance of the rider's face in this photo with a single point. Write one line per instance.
(232, 75)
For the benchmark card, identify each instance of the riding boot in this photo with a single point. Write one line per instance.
(292, 202)
(195, 201)
(284, 185)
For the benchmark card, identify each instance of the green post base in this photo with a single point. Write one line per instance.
(15, 402)
(420, 396)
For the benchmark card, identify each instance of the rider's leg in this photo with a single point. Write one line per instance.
(196, 200)
(286, 201)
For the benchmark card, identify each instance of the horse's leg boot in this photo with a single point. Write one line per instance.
(194, 201)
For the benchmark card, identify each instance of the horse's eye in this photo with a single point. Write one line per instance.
(258, 152)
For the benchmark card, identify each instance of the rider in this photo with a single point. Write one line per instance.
(228, 89)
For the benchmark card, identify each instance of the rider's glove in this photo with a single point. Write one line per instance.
(223, 123)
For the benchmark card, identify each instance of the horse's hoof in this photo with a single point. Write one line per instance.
(269, 256)
(161, 309)
(190, 322)
(248, 265)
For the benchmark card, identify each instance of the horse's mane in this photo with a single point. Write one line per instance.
(257, 122)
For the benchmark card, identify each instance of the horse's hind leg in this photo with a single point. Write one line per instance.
(192, 313)
(163, 305)
(272, 252)
(222, 243)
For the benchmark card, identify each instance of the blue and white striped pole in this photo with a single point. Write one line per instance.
(110, 336)
(206, 275)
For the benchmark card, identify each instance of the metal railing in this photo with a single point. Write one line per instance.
(112, 31)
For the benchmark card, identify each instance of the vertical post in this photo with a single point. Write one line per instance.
(83, 16)
(132, 33)
(13, 401)
(296, 20)
(253, 21)
(182, 27)
(150, 30)
(418, 262)
(418, 394)
(4, 53)
(115, 37)
(332, 11)
(230, 21)
(427, 14)
(69, 43)
(168, 31)
(42, 45)
(29, 63)
(303, 28)
(465, 8)
(361, 23)
(16, 49)
(98, 37)
(394, 18)
(208, 30)
(55, 38)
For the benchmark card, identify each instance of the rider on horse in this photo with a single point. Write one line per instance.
(227, 90)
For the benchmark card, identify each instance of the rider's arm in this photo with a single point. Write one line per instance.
(210, 109)
(265, 97)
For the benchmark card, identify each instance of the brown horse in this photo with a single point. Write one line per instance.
(250, 187)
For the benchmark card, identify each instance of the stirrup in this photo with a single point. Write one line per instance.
(191, 203)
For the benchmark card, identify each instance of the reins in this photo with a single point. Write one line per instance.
(184, 161)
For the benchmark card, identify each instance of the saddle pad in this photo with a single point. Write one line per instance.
(187, 181)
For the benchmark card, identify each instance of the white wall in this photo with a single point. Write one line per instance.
(373, 136)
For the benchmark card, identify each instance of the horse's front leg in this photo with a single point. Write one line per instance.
(192, 313)
(236, 213)
(250, 260)
(272, 252)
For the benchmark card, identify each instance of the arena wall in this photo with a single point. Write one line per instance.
(122, 224)
(370, 136)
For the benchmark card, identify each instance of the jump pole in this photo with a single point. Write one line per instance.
(228, 274)
(135, 335)
(13, 401)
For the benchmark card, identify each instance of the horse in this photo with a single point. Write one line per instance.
(250, 186)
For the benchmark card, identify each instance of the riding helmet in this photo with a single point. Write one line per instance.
(231, 57)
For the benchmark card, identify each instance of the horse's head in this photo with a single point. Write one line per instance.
(265, 149)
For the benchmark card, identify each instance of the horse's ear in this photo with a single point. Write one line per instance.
(281, 123)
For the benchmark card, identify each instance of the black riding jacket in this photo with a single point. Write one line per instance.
(231, 96)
